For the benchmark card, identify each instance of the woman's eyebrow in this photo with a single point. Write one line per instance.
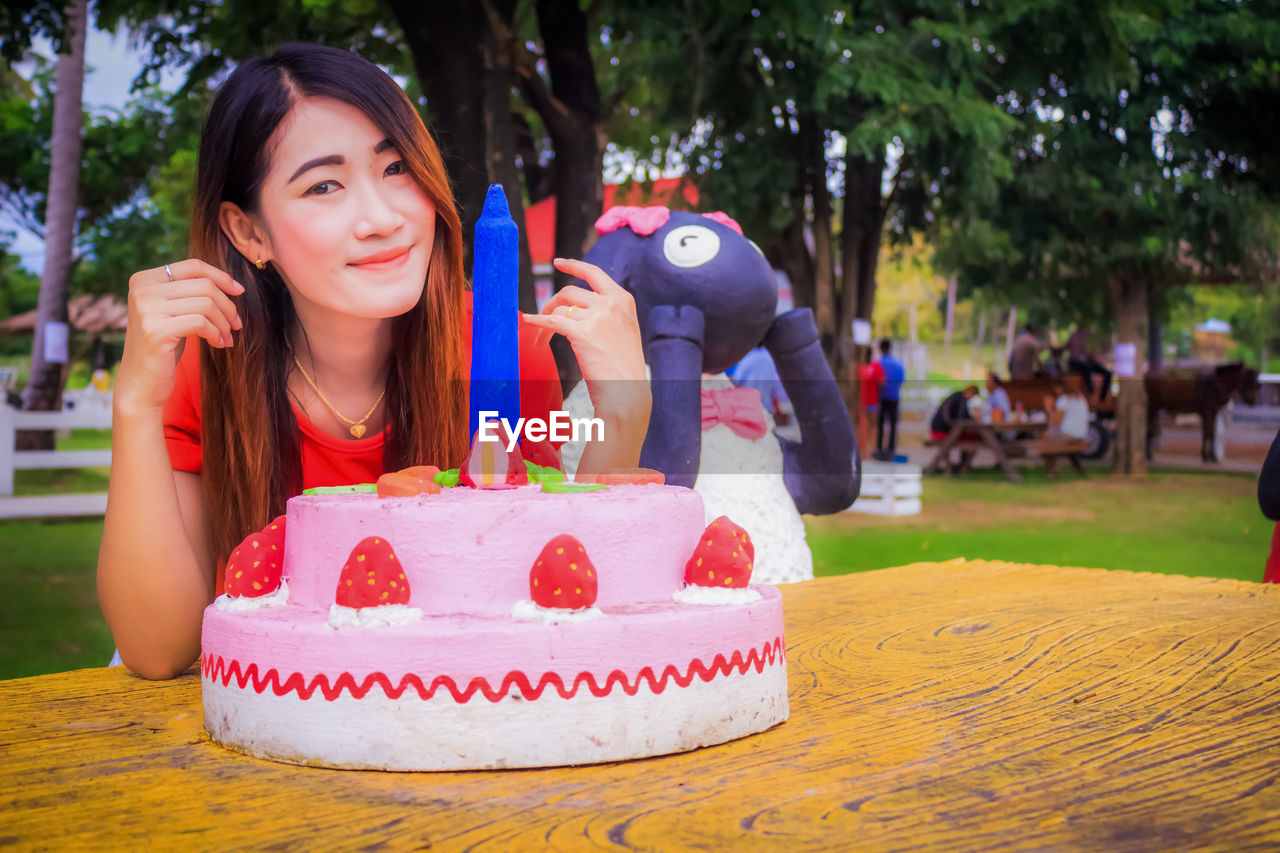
(334, 160)
(327, 160)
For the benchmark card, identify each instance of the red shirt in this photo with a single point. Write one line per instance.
(870, 375)
(330, 461)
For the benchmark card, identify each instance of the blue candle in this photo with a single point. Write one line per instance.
(495, 353)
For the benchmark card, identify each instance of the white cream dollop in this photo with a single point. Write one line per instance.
(372, 617)
(527, 611)
(715, 595)
(237, 604)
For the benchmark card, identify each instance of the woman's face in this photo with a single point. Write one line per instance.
(346, 225)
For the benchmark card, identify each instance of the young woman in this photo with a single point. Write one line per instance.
(318, 335)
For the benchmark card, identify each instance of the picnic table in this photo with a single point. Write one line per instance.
(1002, 439)
(955, 706)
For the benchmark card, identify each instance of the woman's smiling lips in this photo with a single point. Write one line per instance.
(389, 259)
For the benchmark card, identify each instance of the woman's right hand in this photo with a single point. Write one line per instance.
(162, 313)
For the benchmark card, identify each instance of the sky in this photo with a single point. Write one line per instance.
(112, 64)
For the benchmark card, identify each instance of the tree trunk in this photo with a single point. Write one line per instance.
(863, 223)
(44, 386)
(1010, 332)
(1128, 294)
(466, 77)
(500, 142)
(1155, 339)
(951, 315)
(794, 256)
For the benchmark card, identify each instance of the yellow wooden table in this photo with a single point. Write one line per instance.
(960, 706)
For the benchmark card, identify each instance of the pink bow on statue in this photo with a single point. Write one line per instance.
(738, 408)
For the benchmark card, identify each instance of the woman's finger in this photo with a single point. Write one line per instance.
(200, 305)
(196, 268)
(572, 295)
(197, 288)
(597, 278)
(199, 325)
(555, 322)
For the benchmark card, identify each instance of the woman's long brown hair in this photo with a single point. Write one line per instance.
(250, 444)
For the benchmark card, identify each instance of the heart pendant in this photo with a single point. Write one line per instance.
(357, 430)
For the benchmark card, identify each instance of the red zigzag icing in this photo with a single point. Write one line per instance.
(217, 668)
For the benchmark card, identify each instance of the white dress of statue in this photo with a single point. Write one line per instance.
(738, 477)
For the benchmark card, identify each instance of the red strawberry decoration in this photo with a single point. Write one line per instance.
(723, 557)
(563, 575)
(257, 564)
(372, 576)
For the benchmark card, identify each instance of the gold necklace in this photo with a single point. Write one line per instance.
(357, 427)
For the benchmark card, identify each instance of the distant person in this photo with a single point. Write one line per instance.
(954, 409)
(890, 402)
(757, 370)
(1024, 361)
(1081, 360)
(870, 377)
(1269, 503)
(998, 409)
(1068, 412)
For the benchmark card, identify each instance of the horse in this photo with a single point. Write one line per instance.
(1204, 394)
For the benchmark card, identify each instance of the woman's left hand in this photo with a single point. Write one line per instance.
(602, 328)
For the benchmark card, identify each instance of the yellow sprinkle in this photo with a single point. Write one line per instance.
(359, 558)
(580, 551)
(539, 562)
(254, 543)
(573, 567)
(384, 595)
(727, 581)
(377, 542)
(559, 550)
(715, 523)
(557, 592)
(238, 574)
(588, 573)
(274, 548)
(257, 585)
(708, 541)
(370, 581)
(393, 584)
(348, 582)
(711, 575)
(699, 562)
(535, 581)
(257, 563)
(579, 590)
(392, 557)
(402, 576)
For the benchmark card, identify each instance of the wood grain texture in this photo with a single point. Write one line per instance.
(955, 706)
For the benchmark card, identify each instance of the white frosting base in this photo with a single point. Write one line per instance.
(372, 617)
(410, 733)
(271, 599)
(527, 611)
(715, 595)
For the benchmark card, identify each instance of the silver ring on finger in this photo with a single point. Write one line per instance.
(168, 272)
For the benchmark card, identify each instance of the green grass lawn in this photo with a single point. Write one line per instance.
(1195, 524)
(1174, 523)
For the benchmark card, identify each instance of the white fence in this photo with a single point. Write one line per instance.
(92, 411)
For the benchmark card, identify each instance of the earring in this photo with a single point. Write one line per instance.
(260, 263)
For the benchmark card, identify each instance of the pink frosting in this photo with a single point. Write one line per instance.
(468, 551)
(655, 636)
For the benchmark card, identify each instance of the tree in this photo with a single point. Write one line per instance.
(44, 387)
(826, 131)
(1131, 175)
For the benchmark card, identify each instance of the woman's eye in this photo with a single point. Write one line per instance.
(396, 168)
(323, 188)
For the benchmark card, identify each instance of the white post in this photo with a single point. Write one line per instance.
(8, 438)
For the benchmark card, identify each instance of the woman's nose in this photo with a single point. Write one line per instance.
(378, 215)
